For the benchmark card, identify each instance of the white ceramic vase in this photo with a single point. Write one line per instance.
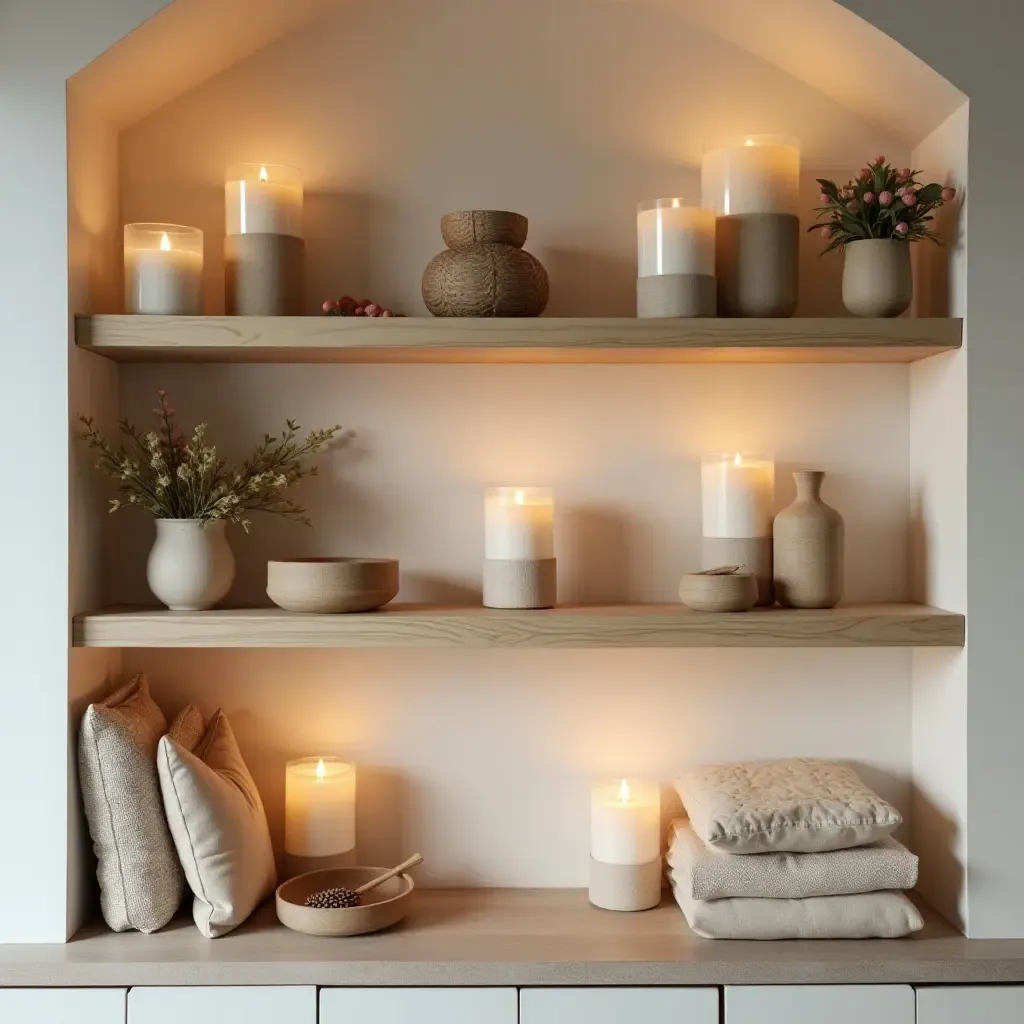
(877, 279)
(190, 566)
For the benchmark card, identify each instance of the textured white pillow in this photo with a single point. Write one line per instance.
(219, 827)
(801, 804)
(141, 883)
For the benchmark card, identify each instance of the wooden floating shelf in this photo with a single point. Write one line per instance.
(312, 339)
(507, 937)
(670, 625)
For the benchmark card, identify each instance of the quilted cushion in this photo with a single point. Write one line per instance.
(800, 804)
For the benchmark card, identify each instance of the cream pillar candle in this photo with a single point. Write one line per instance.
(519, 548)
(675, 259)
(625, 845)
(755, 174)
(737, 495)
(737, 502)
(320, 807)
(264, 251)
(519, 523)
(163, 269)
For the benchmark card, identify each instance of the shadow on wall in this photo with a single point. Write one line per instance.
(941, 874)
(933, 264)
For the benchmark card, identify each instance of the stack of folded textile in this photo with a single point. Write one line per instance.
(794, 849)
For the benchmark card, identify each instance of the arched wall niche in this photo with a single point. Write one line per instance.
(666, 77)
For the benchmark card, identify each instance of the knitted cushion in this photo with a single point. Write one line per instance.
(141, 883)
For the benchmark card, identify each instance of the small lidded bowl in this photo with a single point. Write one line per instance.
(718, 592)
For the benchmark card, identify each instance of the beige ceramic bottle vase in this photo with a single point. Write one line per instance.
(808, 548)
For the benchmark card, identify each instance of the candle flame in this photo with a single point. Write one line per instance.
(321, 771)
(263, 173)
(749, 142)
(165, 242)
(623, 792)
(737, 461)
(520, 498)
(675, 204)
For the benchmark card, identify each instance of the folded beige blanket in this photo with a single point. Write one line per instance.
(872, 915)
(704, 873)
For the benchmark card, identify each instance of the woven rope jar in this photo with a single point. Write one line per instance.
(484, 271)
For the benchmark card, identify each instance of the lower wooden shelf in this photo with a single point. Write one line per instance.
(670, 625)
(506, 937)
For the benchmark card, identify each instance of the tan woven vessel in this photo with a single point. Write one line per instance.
(485, 272)
(332, 585)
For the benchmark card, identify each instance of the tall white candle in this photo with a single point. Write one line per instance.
(163, 269)
(263, 199)
(674, 236)
(519, 523)
(319, 807)
(757, 174)
(737, 495)
(625, 822)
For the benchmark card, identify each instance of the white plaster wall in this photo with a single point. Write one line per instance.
(483, 760)
(582, 110)
(938, 555)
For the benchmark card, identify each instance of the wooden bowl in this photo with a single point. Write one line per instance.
(735, 592)
(380, 908)
(332, 585)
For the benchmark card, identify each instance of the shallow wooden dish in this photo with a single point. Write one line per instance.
(735, 592)
(332, 585)
(380, 908)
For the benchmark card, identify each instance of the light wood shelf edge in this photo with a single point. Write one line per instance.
(506, 937)
(530, 340)
(423, 626)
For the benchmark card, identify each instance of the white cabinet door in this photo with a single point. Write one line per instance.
(418, 1006)
(971, 1004)
(62, 1005)
(223, 1005)
(618, 1005)
(819, 1004)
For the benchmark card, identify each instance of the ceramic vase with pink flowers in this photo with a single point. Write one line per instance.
(872, 219)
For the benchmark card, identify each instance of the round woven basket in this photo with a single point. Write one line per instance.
(486, 279)
(471, 226)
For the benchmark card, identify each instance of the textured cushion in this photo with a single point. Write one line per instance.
(800, 804)
(141, 883)
(219, 827)
(704, 873)
(871, 915)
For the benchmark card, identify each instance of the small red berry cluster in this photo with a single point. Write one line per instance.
(348, 306)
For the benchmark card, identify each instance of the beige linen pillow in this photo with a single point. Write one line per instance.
(141, 883)
(800, 804)
(219, 827)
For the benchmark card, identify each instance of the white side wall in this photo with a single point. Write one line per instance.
(938, 483)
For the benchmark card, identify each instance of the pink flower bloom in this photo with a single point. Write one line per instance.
(329, 305)
(847, 193)
(866, 174)
(910, 198)
(885, 198)
(900, 191)
(826, 232)
(869, 197)
(902, 228)
(905, 173)
(854, 206)
(948, 195)
(825, 197)
(879, 161)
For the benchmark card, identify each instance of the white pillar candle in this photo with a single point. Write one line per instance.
(737, 495)
(625, 822)
(519, 523)
(263, 199)
(319, 807)
(757, 174)
(674, 236)
(163, 269)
